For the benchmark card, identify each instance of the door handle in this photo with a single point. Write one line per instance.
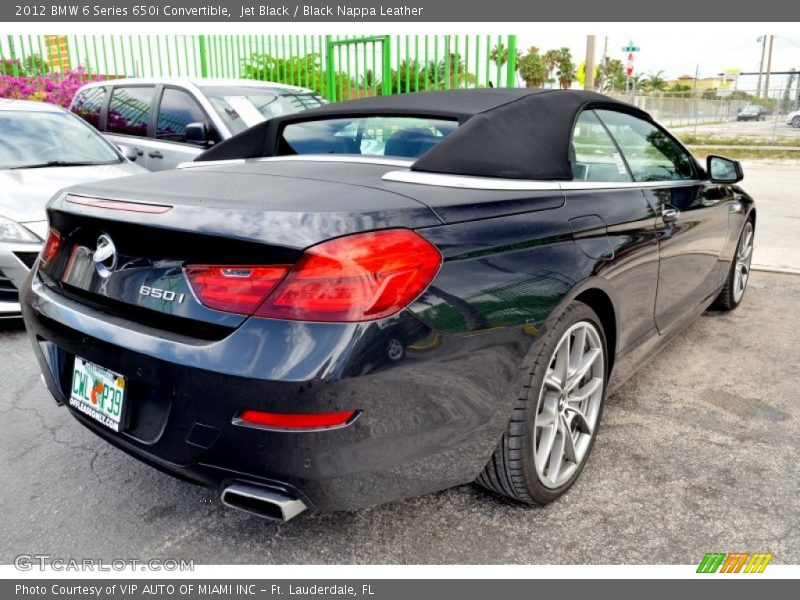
(670, 214)
(155, 154)
(138, 151)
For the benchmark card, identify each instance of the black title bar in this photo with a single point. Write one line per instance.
(349, 11)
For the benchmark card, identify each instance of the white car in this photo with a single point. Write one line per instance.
(43, 148)
(162, 122)
(793, 119)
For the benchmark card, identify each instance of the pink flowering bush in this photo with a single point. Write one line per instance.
(56, 88)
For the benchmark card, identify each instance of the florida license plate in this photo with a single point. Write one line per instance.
(98, 393)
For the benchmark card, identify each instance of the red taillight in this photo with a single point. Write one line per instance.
(51, 246)
(355, 278)
(236, 289)
(297, 421)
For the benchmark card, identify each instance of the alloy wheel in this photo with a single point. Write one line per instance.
(569, 405)
(744, 256)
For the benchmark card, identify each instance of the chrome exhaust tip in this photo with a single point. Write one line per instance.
(265, 502)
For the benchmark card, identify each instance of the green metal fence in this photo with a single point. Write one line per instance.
(340, 67)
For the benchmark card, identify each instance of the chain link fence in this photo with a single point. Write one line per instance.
(734, 114)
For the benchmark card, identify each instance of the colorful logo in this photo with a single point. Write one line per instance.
(734, 562)
(97, 389)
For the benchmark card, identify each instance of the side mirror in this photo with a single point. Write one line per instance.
(723, 170)
(196, 133)
(128, 152)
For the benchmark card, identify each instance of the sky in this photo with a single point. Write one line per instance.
(680, 55)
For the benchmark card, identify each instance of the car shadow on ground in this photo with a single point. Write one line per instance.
(12, 325)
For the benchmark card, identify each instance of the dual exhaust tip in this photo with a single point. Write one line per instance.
(266, 502)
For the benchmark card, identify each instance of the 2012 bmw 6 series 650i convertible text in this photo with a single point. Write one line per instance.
(385, 297)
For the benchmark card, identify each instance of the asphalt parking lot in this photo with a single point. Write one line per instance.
(698, 452)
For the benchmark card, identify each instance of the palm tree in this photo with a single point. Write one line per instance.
(566, 68)
(408, 77)
(551, 58)
(499, 55)
(612, 73)
(637, 81)
(533, 69)
(452, 68)
(654, 82)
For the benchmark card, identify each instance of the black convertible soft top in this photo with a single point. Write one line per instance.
(511, 133)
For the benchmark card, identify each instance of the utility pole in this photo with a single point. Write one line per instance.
(763, 40)
(590, 43)
(603, 64)
(769, 67)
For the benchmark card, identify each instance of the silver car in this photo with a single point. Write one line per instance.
(163, 122)
(43, 148)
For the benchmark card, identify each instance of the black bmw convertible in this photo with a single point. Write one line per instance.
(386, 297)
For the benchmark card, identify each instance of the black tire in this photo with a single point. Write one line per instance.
(796, 122)
(727, 300)
(511, 470)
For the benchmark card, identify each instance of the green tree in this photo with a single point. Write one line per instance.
(299, 70)
(410, 77)
(533, 69)
(551, 59)
(636, 82)
(34, 65)
(451, 71)
(680, 88)
(654, 82)
(499, 55)
(612, 74)
(566, 68)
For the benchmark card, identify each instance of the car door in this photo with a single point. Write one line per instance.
(177, 108)
(693, 222)
(128, 116)
(614, 225)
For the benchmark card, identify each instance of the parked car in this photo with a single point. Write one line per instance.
(169, 121)
(308, 318)
(43, 148)
(793, 119)
(752, 112)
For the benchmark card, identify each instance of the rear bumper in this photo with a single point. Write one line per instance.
(429, 420)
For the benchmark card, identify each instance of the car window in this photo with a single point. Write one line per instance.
(593, 154)
(89, 103)
(41, 139)
(176, 111)
(241, 107)
(129, 110)
(407, 137)
(650, 152)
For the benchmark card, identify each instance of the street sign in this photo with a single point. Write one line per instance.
(630, 47)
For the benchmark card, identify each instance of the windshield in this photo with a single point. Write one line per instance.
(43, 139)
(751, 108)
(244, 106)
(407, 137)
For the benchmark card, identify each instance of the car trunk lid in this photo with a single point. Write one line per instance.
(160, 223)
